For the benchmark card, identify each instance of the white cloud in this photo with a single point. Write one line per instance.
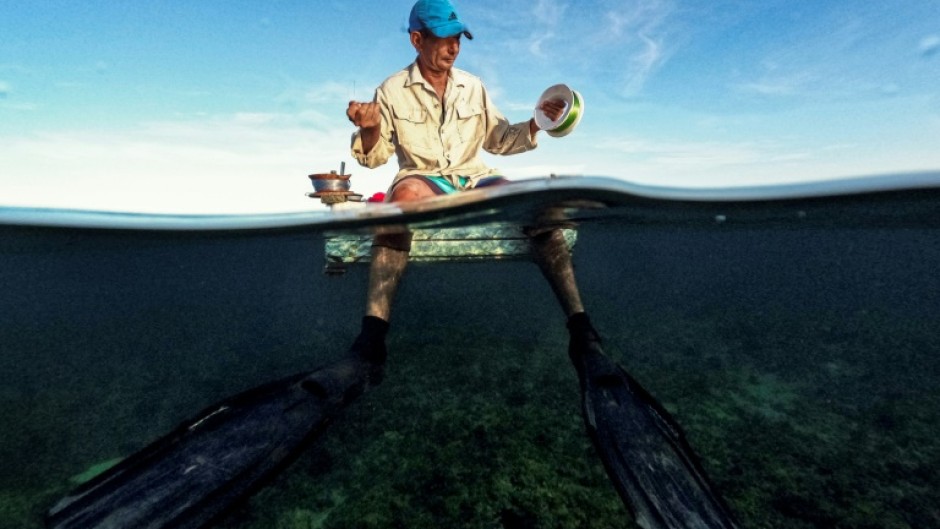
(702, 155)
(608, 40)
(640, 30)
(549, 12)
(779, 84)
(765, 87)
(19, 106)
(4, 89)
(840, 54)
(329, 91)
(245, 162)
(645, 61)
(537, 44)
(929, 45)
(546, 18)
(713, 164)
(254, 118)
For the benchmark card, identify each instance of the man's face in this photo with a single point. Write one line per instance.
(434, 53)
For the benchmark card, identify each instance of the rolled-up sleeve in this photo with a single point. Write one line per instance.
(384, 148)
(503, 137)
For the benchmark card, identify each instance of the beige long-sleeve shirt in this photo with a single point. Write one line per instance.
(430, 140)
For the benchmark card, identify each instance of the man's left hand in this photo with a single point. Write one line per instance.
(553, 110)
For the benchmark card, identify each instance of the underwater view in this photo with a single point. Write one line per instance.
(796, 343)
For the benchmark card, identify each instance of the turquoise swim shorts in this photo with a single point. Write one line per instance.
(443, 186)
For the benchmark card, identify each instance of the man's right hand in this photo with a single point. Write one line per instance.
(364, 115)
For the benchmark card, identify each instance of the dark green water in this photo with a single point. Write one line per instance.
(802, 362)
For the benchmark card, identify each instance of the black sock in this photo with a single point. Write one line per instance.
(579, 325)
(374, 327)
(370, 344)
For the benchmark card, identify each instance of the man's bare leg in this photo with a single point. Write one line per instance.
(385, 272)
(551, 254)
(389, 260)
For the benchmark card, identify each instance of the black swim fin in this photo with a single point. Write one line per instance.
(647, 458)
(195, 473)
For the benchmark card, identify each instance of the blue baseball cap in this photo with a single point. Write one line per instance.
(437, 16)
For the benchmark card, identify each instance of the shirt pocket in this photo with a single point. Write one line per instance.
(413, 128)
(470, 122)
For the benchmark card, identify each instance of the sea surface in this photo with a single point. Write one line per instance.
(795, 340)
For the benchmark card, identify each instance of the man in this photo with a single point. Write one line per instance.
(435, 118)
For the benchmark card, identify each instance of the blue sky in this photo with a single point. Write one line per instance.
(212, 106)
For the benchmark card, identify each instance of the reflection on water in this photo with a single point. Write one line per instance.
(801, 359)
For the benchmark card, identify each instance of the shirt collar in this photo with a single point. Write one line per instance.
(414, 77)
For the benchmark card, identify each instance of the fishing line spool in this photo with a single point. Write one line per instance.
(574, 110)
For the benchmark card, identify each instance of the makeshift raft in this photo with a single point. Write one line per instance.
(494, 241)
